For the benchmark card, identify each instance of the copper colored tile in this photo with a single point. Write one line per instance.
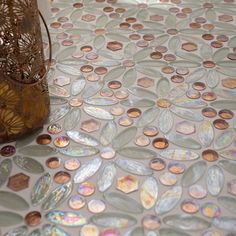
(78, 5)
(88, 17)
(169, 57)
(163, 103)
(130, 20)
(167, 69)
(160, 143)
(125, 121)
(210, 155)
(90, 125)
(7, 150)
(229, 83)
(199, 86)
(134, 36)
(114, 46)
(100, 70)
(145, 82)
(86, 68)
(128, 63)
(225, 18)
(216, 44)
(172, 31)
(148, 37)
(208, 36)
(33, 218)
(209, 96)
(156, 55)
(44, 139)
(232, 56)
(114, 84)
(53, 162)
(156, 18)
(124, 25)
(209, 64)
(108, 9)
(209, 112)
(177, 79)
(189, 47)
(220, 124)
(137, 26)
(226, 114)
(86, 48)
(134, 112)
(62, 177)
(157, 164)
(18, 182)
(150, 131)
(76, 102)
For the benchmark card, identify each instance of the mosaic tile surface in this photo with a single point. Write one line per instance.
(141, 135)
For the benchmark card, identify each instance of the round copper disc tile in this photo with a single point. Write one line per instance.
(156, 18)
(76, 202)
(209, 64)
(220, 124)
(61, 141)
(117, 111)
(76, 37)
(176, 167)
(177, 79)
(86, 68)
(108, 9)
(225, 18)
(209, 96)
(72, 164)
(114, 15)
(55, 25)
(216, 44)
(208, 5)
(128, 63)
(195, 25)
(100, 31)
(189, 47)
(208, 26)
(160, 143)
(148, 37)
(167, 69)
(107, 153)
(174, 9)
(120, 10)
(226, 114)
(172, 31)
(190, 206)
(100, 70)
(150, 131)
(121, 94)
(61, 177)
(53, 162)
(200, 20)
(62, 36)
(78, 5)
(92, 56)
(199, 86)
(76, 102)
(130, 20)
(222, 38)
(124, 25)
(33, 218)
(67, 42)
(114, 45)
(125, 121)
(209, 112)
(156, 55)
(161, 49)
(134, 36)
(157, 164)
(86, 188)
(96, 206)
(134, 112)
(55, 9)
(151, 222)
(142, 43)
(137, 26)
(181, 15)
(114, 84)
(197, 191)
(169, 57)
(182, 71)
(210, 155)
(106, 92)
(44, 139)
(163, 103)
(193, 94)
(86, 48)
(208, 36)
(142, 141)
(67, 26)
(229, 83)
(93, 77)
(7, 151)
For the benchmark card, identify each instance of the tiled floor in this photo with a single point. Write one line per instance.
(142, 124)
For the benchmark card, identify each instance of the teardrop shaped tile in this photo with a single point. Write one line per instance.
(165, 121)
(98, 113)
(229, 154)
(28, 164)
(228, 202)
(193, 173)
(163, 87)
(66, 218)
(72, 119)
(106, 177)
(5, 170)
(149, 192)
(123, 202)
(40, 189)
(37, 151)
(101, 101)
(58, 113)
(50, 230)
(77, 86)
(168, 200)
(228, 165)
(76, 151)
(215, 180)
(224, 104)
(87, 170)
(57, 196)
(9, 219)
(108, 133)
(147, 117)
(206, 133)
(13, 201)
(137, 153)
(133, 167)
(224, 139)
(179, 155)
(225, 223)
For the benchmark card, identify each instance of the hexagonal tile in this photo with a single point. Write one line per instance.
(145, 82)
(185, 127)
(90, 125)
(189, 47)
(127, 184)
(18, 182)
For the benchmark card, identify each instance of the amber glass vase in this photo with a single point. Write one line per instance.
(24, 99)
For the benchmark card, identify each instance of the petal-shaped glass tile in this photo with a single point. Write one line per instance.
(165, 121)
(87, 170)
(189, 103)
(147, 117)
(194, 173)
(114, 73)
(82, 138)
(101, 101)
(69, 70)
(215, 180)
(37, 150)
(9, 218)
(66, 218)
(163, 87)
(224, 139)
(225, 223)
(123, 202)
(187, 222)
(5, 170)
(90, 91)
(76, 151)
(137, 102)
(228, 202)
(229, 154)
(54, 100)
(133, 167)
(206, 133)
(58, 113)
(172, 232)
(49, 230)
(108, 133)
(142, 93)
(98, 113)
(57, 196)
(179, 154)
(228, 165)
(13, 201)
(28, 164)
(21, 230)
(149, 192)
(58, 91)
(124, 137)
(40, 189)
(106, 177)
(77, 86)
(72, 119)
(112, 219)
(224, 104)
(168, 200)
(137, 153)
(196, 75)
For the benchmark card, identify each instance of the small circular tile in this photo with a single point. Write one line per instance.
(33, 218)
